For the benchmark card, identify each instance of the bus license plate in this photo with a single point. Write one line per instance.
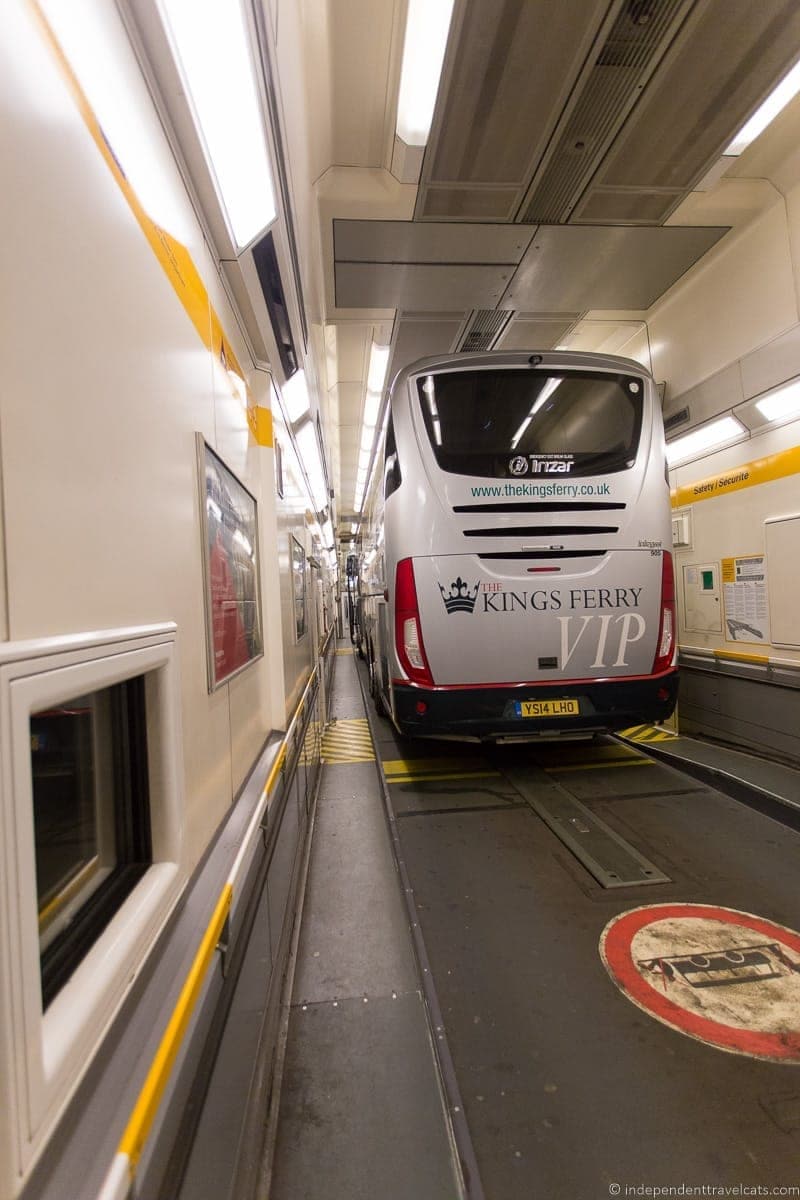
(548, 708)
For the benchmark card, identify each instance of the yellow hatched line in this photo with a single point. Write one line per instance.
(648, 733)
(345, 651)
(348, 741)
(338, 757)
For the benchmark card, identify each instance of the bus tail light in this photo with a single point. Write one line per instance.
(407, 630)
(665, 648)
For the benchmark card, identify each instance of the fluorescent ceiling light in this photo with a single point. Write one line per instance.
(782, 403)
(371, 404)
(82, 30)
(378, 362)
(777, 100)
(710, 436)
(427, 27)
(295, 397)
(210, 45)
(308, 446)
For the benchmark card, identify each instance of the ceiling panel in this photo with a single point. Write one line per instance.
(434, 288)
(569, 267)
(727, 61)
(359, 33)
(536, 333)
(352, 343)
(507, 58)
(469, 203)
(414, 242)
(417, 338)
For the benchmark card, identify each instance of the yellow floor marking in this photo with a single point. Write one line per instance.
(394, 765)
(425, 770)
(347, 742)
(442, 778)
(599, 766)
(648, 733)
(345, 651)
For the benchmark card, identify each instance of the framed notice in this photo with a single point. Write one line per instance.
(298, 555)
(230, 569)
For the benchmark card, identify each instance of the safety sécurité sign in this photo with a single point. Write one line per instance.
(724, 977)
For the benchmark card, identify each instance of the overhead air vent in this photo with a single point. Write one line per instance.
(678, 418)
(484, 328)
(269, 277)
(635, 45)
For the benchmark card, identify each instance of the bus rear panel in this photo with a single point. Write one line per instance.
(526, 549)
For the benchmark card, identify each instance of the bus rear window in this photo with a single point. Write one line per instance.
(512, 423)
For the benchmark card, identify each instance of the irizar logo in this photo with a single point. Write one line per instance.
(461, 599)
(520, 465)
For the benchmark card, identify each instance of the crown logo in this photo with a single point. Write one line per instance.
(461, 599)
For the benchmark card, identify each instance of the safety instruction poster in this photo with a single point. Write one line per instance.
(744, 591)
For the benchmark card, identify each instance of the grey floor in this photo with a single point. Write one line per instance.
(567, 1090)
(361, 1114)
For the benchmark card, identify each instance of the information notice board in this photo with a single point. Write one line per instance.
(744, 592)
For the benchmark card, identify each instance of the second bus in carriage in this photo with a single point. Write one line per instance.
(517, 575)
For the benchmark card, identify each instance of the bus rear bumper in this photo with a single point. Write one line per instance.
(489, 713)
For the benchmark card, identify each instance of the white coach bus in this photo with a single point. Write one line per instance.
(516, 575)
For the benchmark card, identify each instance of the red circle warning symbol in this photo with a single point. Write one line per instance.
(727, 978)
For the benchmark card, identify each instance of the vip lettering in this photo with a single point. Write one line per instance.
(608, 635)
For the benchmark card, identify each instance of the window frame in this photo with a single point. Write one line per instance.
(45, 1052)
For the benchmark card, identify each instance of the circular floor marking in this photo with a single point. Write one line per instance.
(724, 977)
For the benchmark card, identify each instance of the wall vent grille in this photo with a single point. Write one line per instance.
(678, 418)
(484, 328)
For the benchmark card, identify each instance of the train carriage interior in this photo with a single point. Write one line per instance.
(259, 940)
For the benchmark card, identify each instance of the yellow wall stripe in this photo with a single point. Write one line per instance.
(175, 259)
(761, 470)
(260, 420)
(142, 1117)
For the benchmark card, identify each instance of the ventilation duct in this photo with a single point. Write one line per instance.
(633, 49)
(483, 329)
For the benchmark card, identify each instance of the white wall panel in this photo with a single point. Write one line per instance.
(106, 383)
(732, 525)
(741, 295)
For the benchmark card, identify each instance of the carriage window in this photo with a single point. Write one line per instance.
(513, 423)
(91, 819)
